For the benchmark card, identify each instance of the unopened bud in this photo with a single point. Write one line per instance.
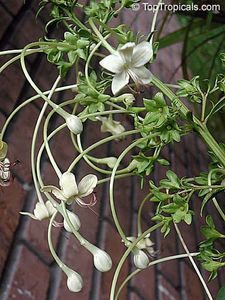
(141, 260)
(74, 220)
(3, 149)
(74, 282)
(74, 124)
(102, 260)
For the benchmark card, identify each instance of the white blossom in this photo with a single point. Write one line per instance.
(144, 244)
(69, 190)
(42, 211)
(129, 62)
(109, 125)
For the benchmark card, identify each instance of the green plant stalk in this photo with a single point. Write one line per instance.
(113, 210)
(155, 262)
(17, 109)
(33, 144)
(199, 126)
(125, 255)
(139, 213)
(216, 204)
(193, 262)
(99, 143)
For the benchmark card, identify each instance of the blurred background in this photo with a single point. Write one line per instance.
(190, 43)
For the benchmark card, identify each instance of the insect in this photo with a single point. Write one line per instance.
(6, 177)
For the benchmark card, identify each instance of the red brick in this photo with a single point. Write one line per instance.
(31, 278)
(11, 202)
(167, 292)
(13, 6)
(5, 20)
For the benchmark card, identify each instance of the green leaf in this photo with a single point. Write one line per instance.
(221, 294)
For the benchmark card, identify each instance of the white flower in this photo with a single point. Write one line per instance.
(74, 124)
(74, 220)
(128, 62)
(144, 244)
(74, 281)
(109, 125)
(69, 190)
(141, 260)
(42, 211)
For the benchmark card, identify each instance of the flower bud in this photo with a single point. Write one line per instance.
(102, 260)
(109, 125)
(141, 260)
(74, 220)
(42, 211)
(126, 98)
(109, 161)
(3, 149)
(74, 282)
(133, 165)
(74, 124)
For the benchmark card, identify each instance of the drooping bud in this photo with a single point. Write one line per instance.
(109, 161)
(141, 260)
(74, 281)
(74, 220)
(102, 260)
(74, 124)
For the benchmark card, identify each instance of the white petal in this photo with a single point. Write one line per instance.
(51, 209)
(68, 185)
(87, 184)
(112, 63)
(143, 74)
(126, 52)
(41, 211)
(142, 54)
(28, 214)
(119, 81)
(55, 191)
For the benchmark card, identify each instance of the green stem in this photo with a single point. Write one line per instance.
(199, 126)
(157, 261)
(35, 138)
(216, 204)
(99, 143)
(193, 262)
(125, 255)
(101, 38)
(16, 110)
(111, 186)
(139, 213)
